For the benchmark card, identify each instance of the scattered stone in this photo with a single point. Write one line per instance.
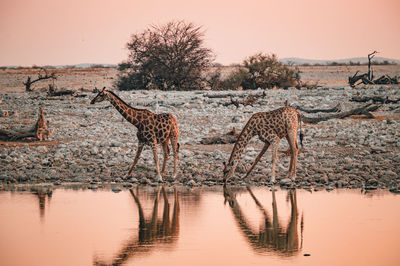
(364, 151)
(93, 187)
(116, 189)
(285, 182)
(191, 183)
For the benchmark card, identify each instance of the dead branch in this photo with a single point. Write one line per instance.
(226, 138)
(40, 131)
(335, 109)
(28, 83)
(364, 110)
(374, 99)
(363, 78)
(248, 100)
(386, 79)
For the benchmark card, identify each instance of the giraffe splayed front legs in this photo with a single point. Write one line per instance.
(152, 128)
(270, 127)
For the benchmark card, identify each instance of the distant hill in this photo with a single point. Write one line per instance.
(289, 60)
(361, 60)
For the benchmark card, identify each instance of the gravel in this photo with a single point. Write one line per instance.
(94, 143)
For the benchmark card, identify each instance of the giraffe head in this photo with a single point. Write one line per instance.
(101, 96)
(228, 170)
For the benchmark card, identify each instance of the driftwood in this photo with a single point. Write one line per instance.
(226, 138)
(28, 83)
(374, 99)
(364, 110)
(40, 131)
(385, 79)
(363, 78)
(335, 109)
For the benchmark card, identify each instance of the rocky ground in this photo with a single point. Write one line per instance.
(94, 144)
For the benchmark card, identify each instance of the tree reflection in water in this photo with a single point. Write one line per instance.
(275, 237)
(152, 232)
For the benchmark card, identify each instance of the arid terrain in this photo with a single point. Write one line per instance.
(94, 144)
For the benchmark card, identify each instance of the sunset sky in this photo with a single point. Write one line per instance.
(59, 32)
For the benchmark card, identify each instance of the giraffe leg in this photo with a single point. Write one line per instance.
(155, 154)
(291, 137)
(166, 156)
(291, 157)
(264, 149)
(274, 144)
(138, 152)
(175, 150)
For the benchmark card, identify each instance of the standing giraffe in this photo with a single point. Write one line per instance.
(270, 127)
(152, 129)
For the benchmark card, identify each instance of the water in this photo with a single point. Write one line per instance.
(203, 226)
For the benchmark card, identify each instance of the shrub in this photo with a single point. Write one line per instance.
(235, 79)
(265, 72)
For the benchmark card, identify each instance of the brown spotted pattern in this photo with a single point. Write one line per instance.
(270, 127)
(152, 128)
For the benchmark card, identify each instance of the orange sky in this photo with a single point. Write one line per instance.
(57, 32)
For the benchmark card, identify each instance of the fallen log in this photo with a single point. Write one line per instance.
(40, 131)
(386, 79)
(354, 79)
(364, 110)
(335, 109)
(226, 138)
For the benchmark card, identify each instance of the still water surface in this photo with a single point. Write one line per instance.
(178, 226)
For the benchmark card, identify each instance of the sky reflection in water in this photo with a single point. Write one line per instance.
(179, 226)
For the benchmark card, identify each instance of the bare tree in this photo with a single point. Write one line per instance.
(168, 57)
(28, 83)
(368, 78)
(370, 56)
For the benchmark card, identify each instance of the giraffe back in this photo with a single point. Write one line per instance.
(165, 127)
(276, 123)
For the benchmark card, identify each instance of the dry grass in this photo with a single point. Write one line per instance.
(11, 80)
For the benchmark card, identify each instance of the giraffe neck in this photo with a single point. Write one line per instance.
(129, 113)
(241, 143)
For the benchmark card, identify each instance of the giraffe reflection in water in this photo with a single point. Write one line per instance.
(152, 232)
(274, 237)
